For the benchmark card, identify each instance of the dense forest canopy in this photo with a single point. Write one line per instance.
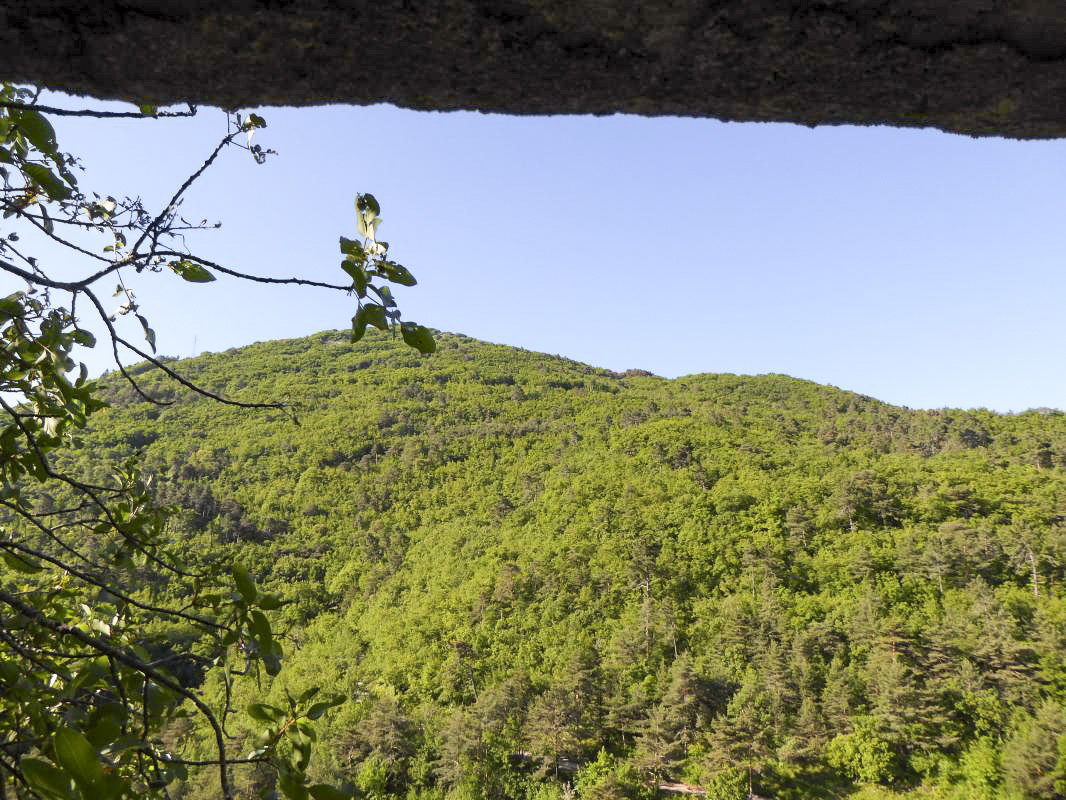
(527, 574)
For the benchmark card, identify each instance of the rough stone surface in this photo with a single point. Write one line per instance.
(972, 66)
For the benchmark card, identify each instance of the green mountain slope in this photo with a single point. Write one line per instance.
(510, 561)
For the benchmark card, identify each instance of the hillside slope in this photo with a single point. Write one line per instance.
(495, 552)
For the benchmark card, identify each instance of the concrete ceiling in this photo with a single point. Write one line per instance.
(983, 67)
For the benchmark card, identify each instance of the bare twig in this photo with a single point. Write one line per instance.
(116, 339)
(151, 229)
(49, 532)
(88, 112)
(253, 278)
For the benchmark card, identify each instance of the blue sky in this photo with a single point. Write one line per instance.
(921, 268)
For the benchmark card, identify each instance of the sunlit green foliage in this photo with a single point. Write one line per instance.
(511, 562)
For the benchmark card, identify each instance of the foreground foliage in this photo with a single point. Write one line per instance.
(516, 566)
(106, 628)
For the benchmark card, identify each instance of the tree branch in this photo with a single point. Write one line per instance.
(152, 227)
(88, 490)
(110, 588)
(116, 339)
(88, 112)
(253, 278)
(32, 614)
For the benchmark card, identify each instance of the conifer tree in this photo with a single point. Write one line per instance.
(1034, 757)
(553, 729)
(742, 736)
(660, 747)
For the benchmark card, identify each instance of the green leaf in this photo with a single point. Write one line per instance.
(358, 276)
(352, 248)
(10, 305)
(19, 563)
(149, 334)
(367, 202)
(265, 713)
(269, 602)
(317, 710)
(9, 673)
(385, 293)
(77, 756)
(272, 663)
(244, 583)
(112, 785)
(191, 271)
(301, 749)
(43, 177)
(320, 708)
(261, 630)
(323, 791)
(418, 337)
(105, 724)
(89, 674)
(83, 337)
(375, 315)
(396, 273)
(358, 325)
(291, 787)
(125, 743)
(37, 129)
(45, 779)
(366, 221)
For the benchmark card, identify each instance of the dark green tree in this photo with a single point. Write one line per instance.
(1034, 757)
(673, 724)
(385, 734)
(742, 737)
(553, 729)
(660, 748)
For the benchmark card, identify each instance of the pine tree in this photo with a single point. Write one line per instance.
(385, 734)
(1034, 758)
(778, 688)
(458, 740)
(553, 729)
(583, 682)
(660, 747)
(687, 699)
(838, 696)
(808, 734)
(742, 737)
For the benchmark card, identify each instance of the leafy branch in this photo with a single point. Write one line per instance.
(92, 591)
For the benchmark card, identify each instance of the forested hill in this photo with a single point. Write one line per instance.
(513, 562)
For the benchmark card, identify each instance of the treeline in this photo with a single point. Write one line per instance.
(533, 578)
